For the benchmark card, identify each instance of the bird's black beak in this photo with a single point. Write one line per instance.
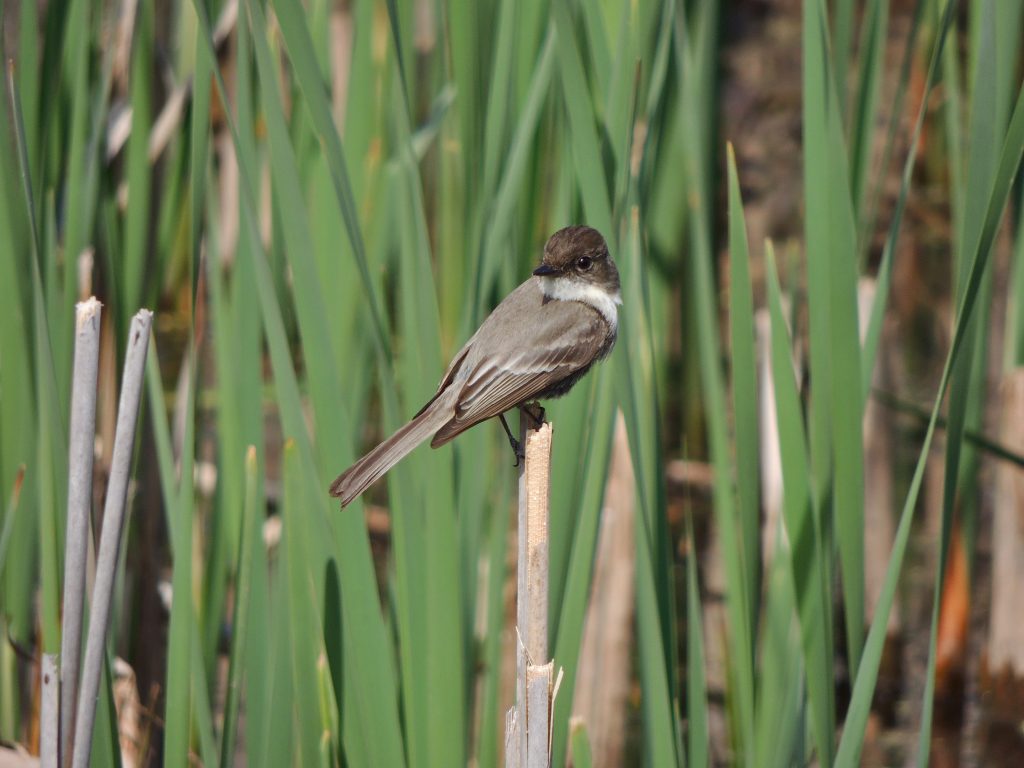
(545, 269)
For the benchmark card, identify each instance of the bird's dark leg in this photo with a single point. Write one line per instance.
(517, 447)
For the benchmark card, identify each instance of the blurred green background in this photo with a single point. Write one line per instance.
(322, 200)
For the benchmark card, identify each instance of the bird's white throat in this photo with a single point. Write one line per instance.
(564, 289)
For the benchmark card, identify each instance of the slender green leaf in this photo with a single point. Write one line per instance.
(803, 526)
(836, 408)
(744, 388)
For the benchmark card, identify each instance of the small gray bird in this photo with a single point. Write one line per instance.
(536, 344)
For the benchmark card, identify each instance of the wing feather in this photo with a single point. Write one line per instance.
(496, 383)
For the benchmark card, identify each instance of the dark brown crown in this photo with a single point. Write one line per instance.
(572, 242)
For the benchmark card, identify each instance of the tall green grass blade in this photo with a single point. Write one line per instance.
(803, 526)
(302, 623)
(842, 47)
(51, 447)
(48, 479)
(744, 389)
(249, 541)
(779, 728)
(17, 423)
(835, 345)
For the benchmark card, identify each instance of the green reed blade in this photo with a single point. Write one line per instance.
(744, 388)
(836, 409)
(803, 526)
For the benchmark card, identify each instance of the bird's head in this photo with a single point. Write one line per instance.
(579, 255)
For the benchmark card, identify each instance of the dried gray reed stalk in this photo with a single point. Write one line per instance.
(110, 537)
(49, 731)
(81, 450)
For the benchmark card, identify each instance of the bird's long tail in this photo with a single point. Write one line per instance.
(361, 475)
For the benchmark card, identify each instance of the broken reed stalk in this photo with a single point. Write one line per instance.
(528, 724)
(81, 450)
(110, 538)
(1004, 662)
(49, 731)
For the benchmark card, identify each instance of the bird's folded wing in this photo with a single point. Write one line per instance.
(503, 381)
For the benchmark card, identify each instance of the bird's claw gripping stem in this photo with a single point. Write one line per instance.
(517, 447)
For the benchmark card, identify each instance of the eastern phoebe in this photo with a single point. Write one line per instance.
(536, 343)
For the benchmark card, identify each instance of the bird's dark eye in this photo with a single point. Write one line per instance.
(584, 263)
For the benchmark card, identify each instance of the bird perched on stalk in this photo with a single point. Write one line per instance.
(536, 344)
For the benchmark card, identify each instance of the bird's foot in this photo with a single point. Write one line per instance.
(517, 447)
(535, 412)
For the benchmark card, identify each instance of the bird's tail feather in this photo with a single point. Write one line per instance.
(361, 475)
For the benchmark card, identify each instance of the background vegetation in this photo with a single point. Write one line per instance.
(322, 201)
